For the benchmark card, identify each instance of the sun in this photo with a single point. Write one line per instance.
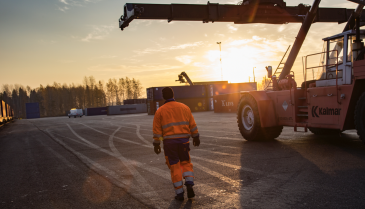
(237, 63)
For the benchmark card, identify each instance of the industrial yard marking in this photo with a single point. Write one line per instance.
(126, 116)
(248, 193)
(217, 137)
(234, 183)
(217, 145)
(143, 184)
(221, 153)
(112, 176)
(125, 140)
(140, 136)
(217, 162)
(212, 192)
(144, 188)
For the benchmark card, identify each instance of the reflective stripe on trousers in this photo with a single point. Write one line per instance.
(188, 173)
(177, 184)
(179, 191)
(189, 179)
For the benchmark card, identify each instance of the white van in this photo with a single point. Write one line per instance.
(75, 113)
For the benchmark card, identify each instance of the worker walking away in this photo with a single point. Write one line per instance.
(174, 124)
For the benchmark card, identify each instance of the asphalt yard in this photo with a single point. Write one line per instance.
(109, 162)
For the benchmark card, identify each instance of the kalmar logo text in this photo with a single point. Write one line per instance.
(316, 112)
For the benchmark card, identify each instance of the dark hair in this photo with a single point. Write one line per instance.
(167, 93)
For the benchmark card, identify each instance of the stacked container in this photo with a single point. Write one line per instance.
(220, 89)
(95, 111)
(199, 97)
(134, 101)
(32, 110)
(195, 97)
(126, 109)
(226, 103)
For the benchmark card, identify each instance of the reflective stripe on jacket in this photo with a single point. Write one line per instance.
(173, 120)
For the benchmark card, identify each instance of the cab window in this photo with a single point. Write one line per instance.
(335, 44)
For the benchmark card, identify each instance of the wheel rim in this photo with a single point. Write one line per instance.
(247, 117)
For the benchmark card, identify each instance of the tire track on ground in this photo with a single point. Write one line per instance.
(143, 184)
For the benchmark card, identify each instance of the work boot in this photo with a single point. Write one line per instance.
(190, 190)
(180, 197)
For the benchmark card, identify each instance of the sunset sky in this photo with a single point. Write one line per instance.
(46, 41)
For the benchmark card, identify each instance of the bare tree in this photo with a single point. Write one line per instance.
(57, 99)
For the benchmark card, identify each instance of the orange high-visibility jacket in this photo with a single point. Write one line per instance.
(173, 120)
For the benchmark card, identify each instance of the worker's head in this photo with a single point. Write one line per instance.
(167, 93)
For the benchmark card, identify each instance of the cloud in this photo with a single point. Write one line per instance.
(240, 42)
(64, 1)
(67, 4)
(63, 8)
(186, 59)
(98, 33)
(184, 46)
(166, 49)
(281, 28)
(231, 28)
(133, 68)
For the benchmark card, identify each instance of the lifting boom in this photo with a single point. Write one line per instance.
(182, 80)
(249, 11)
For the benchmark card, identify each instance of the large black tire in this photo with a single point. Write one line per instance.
(249, 122)
(360, 117)
(324, 131)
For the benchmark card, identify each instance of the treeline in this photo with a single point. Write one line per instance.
(57, 99)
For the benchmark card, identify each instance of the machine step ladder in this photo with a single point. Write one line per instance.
(278, 69)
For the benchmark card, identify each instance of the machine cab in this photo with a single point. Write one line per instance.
(337, 49)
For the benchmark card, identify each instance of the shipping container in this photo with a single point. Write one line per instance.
(226, 103)
(195, 105)
(135, 101)
(2, 119)
(211, 103)
(32, 110)
(217, 89)
(126, 109)
(210, 82)
(8, 111)
(3, 111)
(149, 94)
(180, 92)
(95, 111)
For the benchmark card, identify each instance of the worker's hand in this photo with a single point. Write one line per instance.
(157, 149)
(196, 141)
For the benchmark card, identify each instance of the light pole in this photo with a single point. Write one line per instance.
(220, 54)
(254, 75)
